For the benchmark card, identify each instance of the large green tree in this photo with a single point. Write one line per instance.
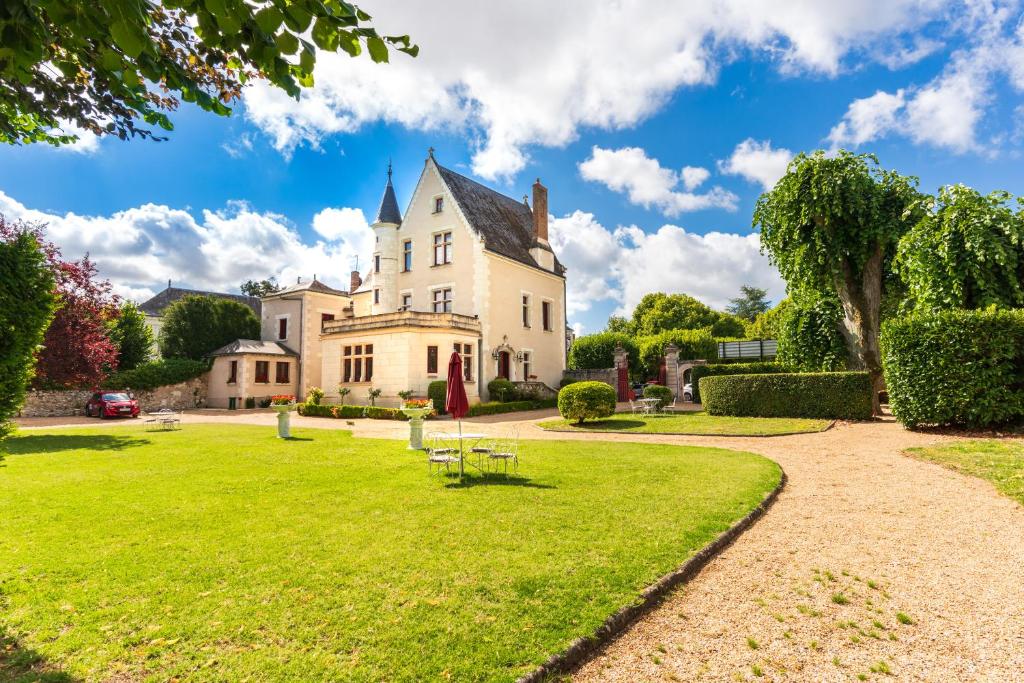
(967, 251)
(193, 326)
(751, 302)
(833, 223)
(28, 299)
(133, 337)
(104, 65)
(659, 312)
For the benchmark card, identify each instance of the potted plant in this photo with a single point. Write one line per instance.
(342, 393)
(416, 409)
(373, 395)
(283, 405)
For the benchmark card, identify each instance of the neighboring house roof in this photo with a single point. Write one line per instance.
(267, 348)
(389, 211)
(313, 285)
(505, 223)
(161, 301)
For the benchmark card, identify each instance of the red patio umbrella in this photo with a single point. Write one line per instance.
(455, 402)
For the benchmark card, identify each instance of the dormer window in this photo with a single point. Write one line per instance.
(438, 204)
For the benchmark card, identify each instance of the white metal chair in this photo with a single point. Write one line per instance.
(504, 451)
(442, 454)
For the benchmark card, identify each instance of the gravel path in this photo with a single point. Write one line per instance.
(813, 591)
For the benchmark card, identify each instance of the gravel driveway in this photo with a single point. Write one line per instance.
(870, 564)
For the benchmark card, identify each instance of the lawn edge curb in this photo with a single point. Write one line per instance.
(583, 649)
(830, 425)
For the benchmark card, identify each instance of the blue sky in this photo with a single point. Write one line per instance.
(607, 121)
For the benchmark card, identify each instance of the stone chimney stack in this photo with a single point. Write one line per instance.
(540, 211)
(354, 282)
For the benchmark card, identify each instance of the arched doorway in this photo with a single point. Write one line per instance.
(504, 365)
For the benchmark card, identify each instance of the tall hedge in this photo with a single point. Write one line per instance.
(27, 304)
(597, 351)
(759, 368)
(437, 391)
(693, 344)
(838, 395)
(158, 373)
(962, 368)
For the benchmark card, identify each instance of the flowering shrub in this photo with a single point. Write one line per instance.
(417, 403)
(282, 400)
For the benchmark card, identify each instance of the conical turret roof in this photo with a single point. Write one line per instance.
(389, 211)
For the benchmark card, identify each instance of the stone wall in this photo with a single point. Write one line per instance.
(190, 394)
(607, 375)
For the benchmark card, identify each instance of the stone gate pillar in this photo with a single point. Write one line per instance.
(672, 368)
(621, 372)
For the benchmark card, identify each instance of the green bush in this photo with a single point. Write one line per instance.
(692, 344)
(437, 391)
(583, 400)
(663, 394)
(500, 389)
(195, 325)
(839, 395)
(962, 368)
(350, 412)
(159, 373)
(597, 351)
(316, 395)
(758, 368)
(810, 335)
(496, 407)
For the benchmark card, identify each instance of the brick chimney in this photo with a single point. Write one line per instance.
(355, 281)
(540, 211)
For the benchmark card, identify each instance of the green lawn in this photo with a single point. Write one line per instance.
(222, 553)
(1001, 461)
(698, 423)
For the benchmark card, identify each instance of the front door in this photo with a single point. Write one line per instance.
(504, 365)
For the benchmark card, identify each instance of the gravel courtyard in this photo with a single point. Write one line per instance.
(869, 563)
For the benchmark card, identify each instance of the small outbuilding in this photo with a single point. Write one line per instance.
(250, 368)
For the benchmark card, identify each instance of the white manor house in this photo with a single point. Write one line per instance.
(465, 269)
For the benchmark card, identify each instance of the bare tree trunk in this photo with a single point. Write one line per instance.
(862, 311)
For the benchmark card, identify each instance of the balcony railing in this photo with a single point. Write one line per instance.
(422, 319)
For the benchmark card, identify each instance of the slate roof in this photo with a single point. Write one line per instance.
(269, 348)
(310, 286)
(161, 301)
(505, 223)
(389, 211)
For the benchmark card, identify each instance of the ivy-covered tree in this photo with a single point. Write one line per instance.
(194, 325)
(104, 66)
(832, 223)
(768, 325)
(132, 336)
(967, 251)
(751, 302)
(809, 333)
(27, 303)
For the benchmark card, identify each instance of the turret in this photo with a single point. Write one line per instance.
(385, 254)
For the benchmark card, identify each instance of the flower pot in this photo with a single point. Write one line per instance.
(416, 416)
(284, 419)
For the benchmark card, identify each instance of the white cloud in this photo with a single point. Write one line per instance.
(757, 162)
(647, 183)
(141, 248)
(345, 224)
(87, 142)
(239, 147)
(535, 72)
(868, 118)
(624, 264)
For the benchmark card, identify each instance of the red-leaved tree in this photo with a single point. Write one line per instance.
(77, 349)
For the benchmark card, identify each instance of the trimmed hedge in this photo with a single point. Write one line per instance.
(496, 407)
(757, 368)
(691, 343)
(583, 400)
(157, 374)
(837, 395)
(963, 368)
(437, 391)
(597, 351)
(350, 412)
(663, 394)
(501, 389)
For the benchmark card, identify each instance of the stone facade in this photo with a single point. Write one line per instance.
(61, 403)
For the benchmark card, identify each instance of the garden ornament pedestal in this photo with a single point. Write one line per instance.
(416, 415)
(284, 419)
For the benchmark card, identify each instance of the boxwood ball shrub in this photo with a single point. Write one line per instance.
(837, 395)
(758, 368)
(586, 400)
(437, 391)
(963, 368)
(663, 394)
(500, 389)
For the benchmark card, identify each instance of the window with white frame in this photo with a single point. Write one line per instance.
(282, 327)
(442, 300)
(357, 363)
(526, 309)
(376, 296)
(545, 314)
(442, 248)
(527, 362)
(406, 301)
(376, 263)
(438, 204)
(406, 256)
(466, 352)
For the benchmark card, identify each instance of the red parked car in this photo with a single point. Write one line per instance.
(112, 404)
